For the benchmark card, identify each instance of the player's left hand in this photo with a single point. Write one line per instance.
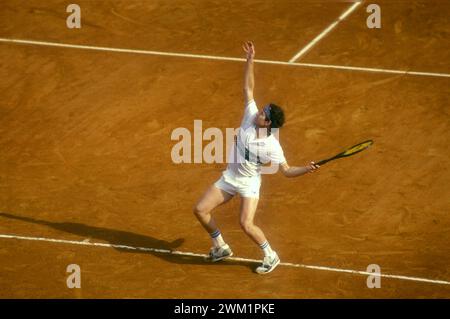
(249, 48)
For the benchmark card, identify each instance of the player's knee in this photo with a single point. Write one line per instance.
(198, 210)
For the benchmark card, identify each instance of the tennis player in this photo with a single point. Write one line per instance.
(254, 146)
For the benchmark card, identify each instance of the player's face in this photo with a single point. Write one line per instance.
(260, 119)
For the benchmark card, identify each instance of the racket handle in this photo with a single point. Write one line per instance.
(320, 163)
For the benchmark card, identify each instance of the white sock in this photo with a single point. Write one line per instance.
(217, 239)
(267, 249)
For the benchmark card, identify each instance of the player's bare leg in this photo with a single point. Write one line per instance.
(247, 215)
(212, 198)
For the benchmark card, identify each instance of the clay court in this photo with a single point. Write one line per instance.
(87, 178)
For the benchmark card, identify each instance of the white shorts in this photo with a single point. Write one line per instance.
(245, 186)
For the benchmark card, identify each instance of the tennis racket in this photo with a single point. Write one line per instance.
(348, 152)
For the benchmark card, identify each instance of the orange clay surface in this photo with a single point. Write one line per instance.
(85, 148)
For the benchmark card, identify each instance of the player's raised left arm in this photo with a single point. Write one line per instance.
(249, 78)
(295, 171)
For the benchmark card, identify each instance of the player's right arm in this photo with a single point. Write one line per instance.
(295, 171)
(249, 78)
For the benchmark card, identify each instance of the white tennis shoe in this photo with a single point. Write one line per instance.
(219, 253)
(269, 264)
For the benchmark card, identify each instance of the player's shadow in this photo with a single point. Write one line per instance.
(132, 241)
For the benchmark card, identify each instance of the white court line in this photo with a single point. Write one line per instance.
(324, 32)
(181, 253)
(220, 58)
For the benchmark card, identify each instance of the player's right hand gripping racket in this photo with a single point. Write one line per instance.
(348, 152)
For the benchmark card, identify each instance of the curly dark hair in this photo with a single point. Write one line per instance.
(276, 116)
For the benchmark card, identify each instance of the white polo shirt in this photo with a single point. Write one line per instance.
(249, 152)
